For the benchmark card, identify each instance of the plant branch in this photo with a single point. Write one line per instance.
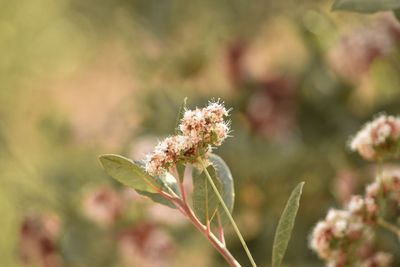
(220, 229)
(220, 247)
(184, 208)
(229, 215)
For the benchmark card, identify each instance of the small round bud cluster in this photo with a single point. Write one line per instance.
(201, 129)
(378, 138)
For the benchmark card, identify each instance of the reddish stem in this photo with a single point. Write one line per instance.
(184, 208)
(220, 230)
(218, 245)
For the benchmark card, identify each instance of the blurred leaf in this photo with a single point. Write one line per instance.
(205, 201)
(225, 178)
(285, 226)
(366, 6)
(129, 173)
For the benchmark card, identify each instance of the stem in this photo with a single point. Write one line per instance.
(229, 215)
(184, 208)
(206, 208)
(220, 229)
(181, 185)
(173, 199)
(390, 227)
(220, 247)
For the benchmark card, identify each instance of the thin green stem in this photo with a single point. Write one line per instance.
(229, 215)
(390, 227)
(171, 191)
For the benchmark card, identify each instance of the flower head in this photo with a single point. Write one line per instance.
(366, 208)
(206, 126)
(377, 138)
(166, 153)
(201, 129)
(331, 237)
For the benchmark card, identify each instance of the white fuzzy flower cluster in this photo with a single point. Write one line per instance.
(343, 236)
(345, 231)
(201, 129)
(378, 138)
(364, 208)
(332, 237)
(206, 125)
(166, 153)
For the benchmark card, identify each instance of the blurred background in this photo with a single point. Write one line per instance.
(82, 78)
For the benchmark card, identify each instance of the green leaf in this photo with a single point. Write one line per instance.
(205, 201)
(129, 173)
(224, 175)
(285, 226)
(225, 178)
(366, 6)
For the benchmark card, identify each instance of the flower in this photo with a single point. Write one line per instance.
(377, 138)
(167, 153)
(205, 125)
(340, 229)
(201, 129)
(366, 208)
